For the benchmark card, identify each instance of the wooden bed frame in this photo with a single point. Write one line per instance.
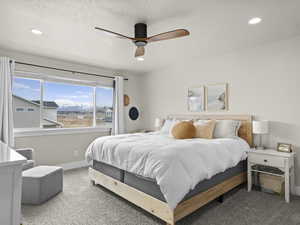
(161, 209)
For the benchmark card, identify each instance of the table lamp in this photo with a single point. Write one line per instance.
(260, 128)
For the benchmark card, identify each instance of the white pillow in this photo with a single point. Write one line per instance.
(227, 128)
(168, 126)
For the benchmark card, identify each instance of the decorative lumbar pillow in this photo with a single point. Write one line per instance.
(205, 128)
(227, 128)
(184, 130)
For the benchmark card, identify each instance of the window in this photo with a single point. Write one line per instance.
(19, 109)
(25, 93)
(46, 104)
(69, 105)
(104, 106)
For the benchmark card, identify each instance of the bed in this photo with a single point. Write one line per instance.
(146, 176)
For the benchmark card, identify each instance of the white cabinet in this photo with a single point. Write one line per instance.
(10, 185)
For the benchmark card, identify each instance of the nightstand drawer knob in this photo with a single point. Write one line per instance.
(265, 160)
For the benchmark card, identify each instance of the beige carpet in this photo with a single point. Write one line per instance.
(84, 204)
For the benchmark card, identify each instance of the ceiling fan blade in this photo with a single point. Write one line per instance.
(169, 35)
(111, 33)
(140, 51)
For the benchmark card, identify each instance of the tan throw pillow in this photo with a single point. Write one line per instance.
(205, 128)
(184, 130)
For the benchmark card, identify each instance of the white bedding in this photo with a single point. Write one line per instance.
(177, 165)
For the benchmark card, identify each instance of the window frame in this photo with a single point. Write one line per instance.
(23, 132)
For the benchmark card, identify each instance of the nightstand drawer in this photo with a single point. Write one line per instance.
(266, 160)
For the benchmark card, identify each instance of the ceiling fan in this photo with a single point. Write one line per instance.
(140, 37)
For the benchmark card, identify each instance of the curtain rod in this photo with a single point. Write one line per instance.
(65, 70)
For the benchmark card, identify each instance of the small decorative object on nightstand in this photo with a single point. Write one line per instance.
(158, 123)
(281, 164)
(260, 128)
(284, 147)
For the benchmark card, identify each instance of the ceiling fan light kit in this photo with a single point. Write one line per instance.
(141, 40)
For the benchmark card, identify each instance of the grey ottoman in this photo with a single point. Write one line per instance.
(41, 183)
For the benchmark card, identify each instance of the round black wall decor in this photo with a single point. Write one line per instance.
(133, 113)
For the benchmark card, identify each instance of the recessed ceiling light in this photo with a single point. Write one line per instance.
(140, 58)
(254, 21)
(36, 32)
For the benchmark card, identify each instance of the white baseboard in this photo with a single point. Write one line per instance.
(74, 165)
(297, 190)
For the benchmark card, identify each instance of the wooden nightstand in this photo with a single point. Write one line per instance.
(272, 158)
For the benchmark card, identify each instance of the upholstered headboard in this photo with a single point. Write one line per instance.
(245, 130)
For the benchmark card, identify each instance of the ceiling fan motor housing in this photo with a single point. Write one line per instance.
(140, 31)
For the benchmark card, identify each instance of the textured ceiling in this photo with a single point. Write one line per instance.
(216, 26)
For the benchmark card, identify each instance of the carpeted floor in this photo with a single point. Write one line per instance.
(84, 204)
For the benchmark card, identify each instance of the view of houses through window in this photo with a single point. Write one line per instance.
(64, 105)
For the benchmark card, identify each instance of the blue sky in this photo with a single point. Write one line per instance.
(62, 94)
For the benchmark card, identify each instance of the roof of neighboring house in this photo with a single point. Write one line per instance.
(24, 99)
(48, 104)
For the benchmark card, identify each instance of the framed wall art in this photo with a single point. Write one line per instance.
(217, 97)
(196, 99)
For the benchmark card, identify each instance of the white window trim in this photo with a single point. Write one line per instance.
(33, 132)
(59, 79)
(25, 132)
(41, 102)
(94, 107)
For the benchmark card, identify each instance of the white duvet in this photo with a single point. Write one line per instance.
(176, 165)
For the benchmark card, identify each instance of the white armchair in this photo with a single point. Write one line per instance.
(28, 154)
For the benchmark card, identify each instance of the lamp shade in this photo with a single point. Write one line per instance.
(158, 122)
(260, 127)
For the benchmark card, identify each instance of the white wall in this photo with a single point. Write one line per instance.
(65, 148)
(263, 81)
(135, 92)
(58, 149)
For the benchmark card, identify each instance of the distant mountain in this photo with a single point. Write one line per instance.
(74, 109)
(82, 109)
